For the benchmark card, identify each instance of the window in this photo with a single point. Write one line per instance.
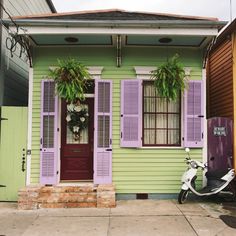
(161, 119)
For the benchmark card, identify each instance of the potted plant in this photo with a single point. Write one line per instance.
(169, 79)
(72, 79)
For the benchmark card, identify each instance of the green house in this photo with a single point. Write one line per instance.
(134, 139)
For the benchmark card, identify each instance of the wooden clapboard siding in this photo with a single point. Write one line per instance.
(220, 83)
(14, 70)
(26, 7)
(150, 170)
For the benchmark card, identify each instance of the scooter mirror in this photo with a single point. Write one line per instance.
(187, 150)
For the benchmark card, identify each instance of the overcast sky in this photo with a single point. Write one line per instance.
(209, 8)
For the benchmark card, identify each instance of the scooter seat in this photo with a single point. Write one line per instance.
(216, 174)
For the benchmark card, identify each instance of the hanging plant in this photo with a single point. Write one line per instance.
(77, 119)
(169, 79)
(72, 79)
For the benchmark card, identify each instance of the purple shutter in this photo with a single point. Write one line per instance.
(48, 141)
(131, 113)
(194, 114)
(103, 132)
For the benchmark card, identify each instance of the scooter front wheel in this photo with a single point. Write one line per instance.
(183, 196)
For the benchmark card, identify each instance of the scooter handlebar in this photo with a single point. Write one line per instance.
(195, 164)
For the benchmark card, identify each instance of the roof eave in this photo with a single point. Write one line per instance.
(120, 23)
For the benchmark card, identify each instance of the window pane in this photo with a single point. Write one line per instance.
(174, 106)
(173, 137)
(149, 121)
(149, 90)
(173, 121)
(82, 137)
(161, 105)
(149, 104)
(161, 137)
(161, 121)
(149, 137)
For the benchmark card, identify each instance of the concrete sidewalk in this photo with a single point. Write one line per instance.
(129, 218)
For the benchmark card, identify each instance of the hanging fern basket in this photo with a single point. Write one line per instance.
(169, 79)
(72, 80)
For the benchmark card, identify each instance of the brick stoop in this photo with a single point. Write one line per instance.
(86, 195)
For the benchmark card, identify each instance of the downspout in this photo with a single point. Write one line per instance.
(233, 39)
(29, 134)
(204, 150)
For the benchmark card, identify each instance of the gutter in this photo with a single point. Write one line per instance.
(119, 23)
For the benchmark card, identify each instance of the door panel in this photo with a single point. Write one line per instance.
(220, 143)
(13, 137)
(77, 151)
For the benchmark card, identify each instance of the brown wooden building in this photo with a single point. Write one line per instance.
(221, 77)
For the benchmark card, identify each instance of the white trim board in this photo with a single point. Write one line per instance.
(43, 30)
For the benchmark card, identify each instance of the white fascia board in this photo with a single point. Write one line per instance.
(39, 30)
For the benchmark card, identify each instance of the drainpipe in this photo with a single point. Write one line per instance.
(29, 135)
(233, 39)
(204, 150)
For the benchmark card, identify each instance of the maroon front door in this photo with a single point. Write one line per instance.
(77, 148)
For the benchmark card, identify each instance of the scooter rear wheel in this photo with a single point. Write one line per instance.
(183, 196)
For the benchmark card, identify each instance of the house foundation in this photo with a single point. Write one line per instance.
(81, 196)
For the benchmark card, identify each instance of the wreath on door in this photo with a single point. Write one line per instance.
(77, 119)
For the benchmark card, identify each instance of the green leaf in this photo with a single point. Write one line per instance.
(169, 79)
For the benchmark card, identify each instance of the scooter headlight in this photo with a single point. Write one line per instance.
(193, 164)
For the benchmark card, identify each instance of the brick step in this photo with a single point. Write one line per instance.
(34, 197)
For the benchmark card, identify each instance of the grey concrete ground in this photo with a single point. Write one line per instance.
(129, 218)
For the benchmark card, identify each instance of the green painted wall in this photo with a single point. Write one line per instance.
(149, 170)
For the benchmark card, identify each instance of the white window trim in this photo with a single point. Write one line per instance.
(144, 73)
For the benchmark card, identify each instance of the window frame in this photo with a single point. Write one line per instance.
(166, 129)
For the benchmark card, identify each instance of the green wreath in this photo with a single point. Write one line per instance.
(77, 119)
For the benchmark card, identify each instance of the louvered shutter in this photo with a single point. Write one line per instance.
(131, 113)
(48, 141)
(194, 114)
(103, 132)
